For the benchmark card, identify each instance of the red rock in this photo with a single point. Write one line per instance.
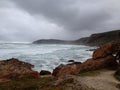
(4, 80)
(14, 65)
(13, 68)
(8, 75)
(106, 62)
(34, 74)
(105, 50)
(63, 70)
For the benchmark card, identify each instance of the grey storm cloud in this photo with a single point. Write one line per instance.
(27, 20)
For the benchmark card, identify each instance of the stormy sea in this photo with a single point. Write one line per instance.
(44, 56)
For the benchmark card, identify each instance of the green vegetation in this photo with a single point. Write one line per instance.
(89, 73)
(28, 84)
(107, 37)
(72, 84)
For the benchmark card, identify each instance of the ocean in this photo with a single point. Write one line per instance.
(45, 56)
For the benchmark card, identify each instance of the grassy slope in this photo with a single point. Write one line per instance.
(29, 83)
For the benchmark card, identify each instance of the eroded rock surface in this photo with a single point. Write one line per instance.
(14, 68)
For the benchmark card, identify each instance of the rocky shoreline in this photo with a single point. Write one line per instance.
(102, 58)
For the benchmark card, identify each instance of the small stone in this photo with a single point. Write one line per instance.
(44, 72)
(71, 61)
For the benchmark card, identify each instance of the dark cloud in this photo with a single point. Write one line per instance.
(72, 14)
(63, 19)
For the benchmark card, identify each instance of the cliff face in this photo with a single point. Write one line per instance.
(100, 38)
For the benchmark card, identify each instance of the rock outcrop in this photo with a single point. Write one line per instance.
(105, 50)
(14, 65)
(12, 68)
(62, 70)
(108, 62)
(102, 57)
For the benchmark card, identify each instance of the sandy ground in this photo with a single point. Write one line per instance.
(104, 81)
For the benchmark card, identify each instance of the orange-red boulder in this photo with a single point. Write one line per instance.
(106, 62)
(14, 68)
(63, 70)
(105, 50)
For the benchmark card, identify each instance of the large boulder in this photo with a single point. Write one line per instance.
(105, 50)
(13, 68)
(63, 70)
(106, 62)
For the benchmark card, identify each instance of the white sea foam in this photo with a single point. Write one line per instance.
(44, 56)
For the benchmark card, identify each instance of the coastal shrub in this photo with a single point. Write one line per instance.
(90, 73)
(43, 84)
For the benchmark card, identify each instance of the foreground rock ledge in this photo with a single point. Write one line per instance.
(12, 68)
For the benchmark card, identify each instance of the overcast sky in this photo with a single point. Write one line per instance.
(29, 20)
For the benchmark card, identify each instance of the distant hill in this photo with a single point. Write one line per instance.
(94, 40)
(100, 38)
(52, 41)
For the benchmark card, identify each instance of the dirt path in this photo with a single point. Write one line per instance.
(104, 81)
